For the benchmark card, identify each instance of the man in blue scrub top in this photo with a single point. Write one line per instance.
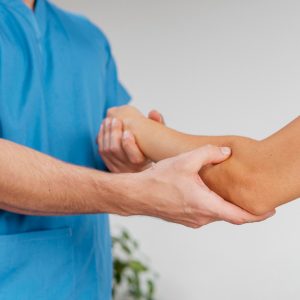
(57, 80)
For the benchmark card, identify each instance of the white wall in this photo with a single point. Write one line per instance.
(213, 67)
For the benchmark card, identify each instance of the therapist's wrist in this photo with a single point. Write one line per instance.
(121, 194)
(135, 194)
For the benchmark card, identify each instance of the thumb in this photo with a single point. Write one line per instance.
(194, 160)
(154, 115)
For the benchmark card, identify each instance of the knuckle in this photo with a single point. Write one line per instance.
(127, 143)
(194, 226)
(106, 150)
(200, 223)
(191, 224)
(202, 219)
(116, 136)
(111, 111)
(115, 169)
(114, 149)
(112, 168)
(238, 222)
(136, 160)
(132, 160)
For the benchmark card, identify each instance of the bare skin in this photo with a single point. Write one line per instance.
(29, 3)
(35, 184)
(259, 176)
(119, 151)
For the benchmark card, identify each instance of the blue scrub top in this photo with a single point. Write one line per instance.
(57, 79)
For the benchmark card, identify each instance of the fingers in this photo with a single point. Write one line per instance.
(109, 140)
(115, 140)
(131, 149)
(123, 146)
(234, 214)
(100, 138)
(106, 135)
(119, 151)
(262, 217)
(196, 159)
(156, 116)
(243, 217)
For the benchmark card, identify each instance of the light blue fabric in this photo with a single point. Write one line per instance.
(57, 79)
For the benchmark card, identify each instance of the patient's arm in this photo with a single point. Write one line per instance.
(259, 176)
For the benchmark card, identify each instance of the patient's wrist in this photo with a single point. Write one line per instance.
(133, 124)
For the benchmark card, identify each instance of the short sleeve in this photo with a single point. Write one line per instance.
(116, 94)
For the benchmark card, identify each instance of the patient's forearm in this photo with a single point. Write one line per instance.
(159, 142)
(259, 176)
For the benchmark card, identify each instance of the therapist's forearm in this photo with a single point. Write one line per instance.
(259, 176)
(36, 184)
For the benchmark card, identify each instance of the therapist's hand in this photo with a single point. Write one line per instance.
(174, 191)
(127, 114)
(118, 147)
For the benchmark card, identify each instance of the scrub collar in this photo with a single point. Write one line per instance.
(37, 16)
(41, 16)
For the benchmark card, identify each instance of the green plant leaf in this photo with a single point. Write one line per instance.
(131, 271)
(137, 266)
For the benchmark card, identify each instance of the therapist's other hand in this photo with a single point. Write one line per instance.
(118, 148)
(180, 195)
(127, 114)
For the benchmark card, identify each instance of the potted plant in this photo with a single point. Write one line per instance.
(133, 278)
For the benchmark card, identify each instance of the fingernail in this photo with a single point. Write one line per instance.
(107, 121)
(126, 135)
(114, 122)
(225, 150)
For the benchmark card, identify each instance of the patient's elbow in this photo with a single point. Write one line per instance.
(258, 208)
(256, 198)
